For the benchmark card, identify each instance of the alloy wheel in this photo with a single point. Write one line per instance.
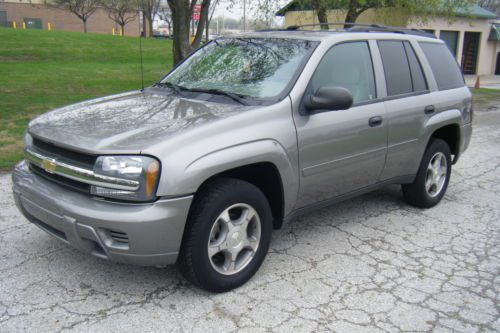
(234, 239)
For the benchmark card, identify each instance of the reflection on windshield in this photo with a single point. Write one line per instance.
(257, 67)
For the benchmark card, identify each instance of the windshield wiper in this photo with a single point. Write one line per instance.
(170, 85)
(235, 97)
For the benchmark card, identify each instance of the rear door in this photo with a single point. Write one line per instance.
(342, 151)
(407, 102)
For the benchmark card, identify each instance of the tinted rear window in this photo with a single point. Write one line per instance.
(396, 68)
(443, 65)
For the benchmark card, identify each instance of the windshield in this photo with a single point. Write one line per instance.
(256, 67)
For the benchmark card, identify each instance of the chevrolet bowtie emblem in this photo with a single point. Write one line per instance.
(49, 165)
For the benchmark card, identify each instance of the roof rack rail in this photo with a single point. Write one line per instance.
(362, 27)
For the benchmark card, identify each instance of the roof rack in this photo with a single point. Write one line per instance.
(361, 27)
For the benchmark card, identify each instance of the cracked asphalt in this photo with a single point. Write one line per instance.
(371, 264)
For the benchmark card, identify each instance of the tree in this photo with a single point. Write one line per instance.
(321, 7)
(265, 11)
(121, 11)
(421, 9)
(83, 9)
(165, 14)
(491, 5)
(149, 10)
(182, 12)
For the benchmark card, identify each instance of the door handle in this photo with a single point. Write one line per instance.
(429, 109)
(375, 121)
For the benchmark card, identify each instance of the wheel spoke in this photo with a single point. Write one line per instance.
(234, 255)
(213, 250)
(437, 163)
(254, 243)
(226, 219)
(428, 183)
(246, 216)
(230, 262)
(231, 266)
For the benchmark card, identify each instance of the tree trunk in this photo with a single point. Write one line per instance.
(352, 13)
(148, 24)
(321, 9)
(207, 30)
(150, 27)
(123, 29)
(84, 25)
(201, 24)
(144, 25)
(181, 14)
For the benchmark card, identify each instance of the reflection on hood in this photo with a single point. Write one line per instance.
(126, 121)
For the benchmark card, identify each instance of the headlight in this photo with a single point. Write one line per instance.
(27, 139)
(144, 169)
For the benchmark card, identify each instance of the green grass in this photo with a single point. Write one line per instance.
(41, 70)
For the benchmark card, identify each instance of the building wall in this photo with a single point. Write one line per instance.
(61, 19)
(487, 49)
(394, 17)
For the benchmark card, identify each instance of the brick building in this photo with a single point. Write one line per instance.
(36, 15)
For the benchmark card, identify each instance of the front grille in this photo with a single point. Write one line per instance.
(119, 237)
(63, 154)
(63, 181)
(71, 157)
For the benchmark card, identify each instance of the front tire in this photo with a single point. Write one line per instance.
(432, 178)
(227, 235)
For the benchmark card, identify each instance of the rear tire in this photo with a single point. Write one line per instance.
(432, 178)
(227, 235)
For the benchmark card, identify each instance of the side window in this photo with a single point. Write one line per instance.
(443, 65)
(417, 75)
(396, 67)
(347, 65)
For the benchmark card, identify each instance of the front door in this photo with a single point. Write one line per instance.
(342, 151)
(470, 52)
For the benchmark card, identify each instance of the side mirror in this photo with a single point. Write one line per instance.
(328, 99)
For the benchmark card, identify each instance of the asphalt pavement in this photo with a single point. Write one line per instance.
(371, 264)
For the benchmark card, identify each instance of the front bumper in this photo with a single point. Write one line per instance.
(147, 234)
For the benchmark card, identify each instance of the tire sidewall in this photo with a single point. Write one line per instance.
(435, 147)
(206, 274)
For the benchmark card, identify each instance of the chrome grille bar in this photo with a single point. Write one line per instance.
(86, 176)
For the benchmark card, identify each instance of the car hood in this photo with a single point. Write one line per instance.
(126, 122)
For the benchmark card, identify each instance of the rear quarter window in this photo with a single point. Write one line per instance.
(443, 65)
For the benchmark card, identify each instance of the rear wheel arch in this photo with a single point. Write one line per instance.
(449, 134)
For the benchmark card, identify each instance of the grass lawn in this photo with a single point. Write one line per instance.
(41, 70)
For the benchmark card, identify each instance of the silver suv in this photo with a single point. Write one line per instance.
(245, 134)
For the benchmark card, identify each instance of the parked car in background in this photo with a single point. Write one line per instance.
(245, 134)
